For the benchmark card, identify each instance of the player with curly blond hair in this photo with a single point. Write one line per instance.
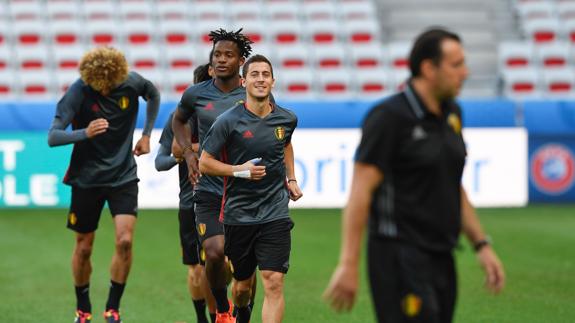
(102, 107)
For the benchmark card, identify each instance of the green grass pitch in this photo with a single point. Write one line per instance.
(536, 244)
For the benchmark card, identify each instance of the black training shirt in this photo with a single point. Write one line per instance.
(421, 157)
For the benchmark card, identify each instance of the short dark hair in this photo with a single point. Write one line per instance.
(243, 41)
(428, 46)
(201, 73)
(256, 59)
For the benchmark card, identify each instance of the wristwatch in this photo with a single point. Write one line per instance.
(477, 246)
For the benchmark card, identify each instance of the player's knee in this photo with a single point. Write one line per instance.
(242, 293)
(195, 273)
(273, 282)
(214, 254)
(84, 245)
(124, 245)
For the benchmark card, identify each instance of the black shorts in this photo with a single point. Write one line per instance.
(409, 284)
(207, 207)
(192, 253)
(266, 246)
(87, 205)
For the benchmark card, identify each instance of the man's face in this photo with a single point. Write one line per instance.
(451, 72)
(259, 80)
(226, 59)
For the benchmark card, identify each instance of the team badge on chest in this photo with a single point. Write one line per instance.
(280, 133)
(454, 123)
(124, 102)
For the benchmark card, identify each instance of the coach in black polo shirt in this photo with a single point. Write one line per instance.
(407, 181)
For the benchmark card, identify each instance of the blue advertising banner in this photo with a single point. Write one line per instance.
(551, 168)
(30, 172)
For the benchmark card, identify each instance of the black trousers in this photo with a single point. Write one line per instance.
(409, 284)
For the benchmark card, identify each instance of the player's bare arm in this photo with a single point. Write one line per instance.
(209, 165)
(295, 192)
(342, 289)
(494, 272)
(182, 134)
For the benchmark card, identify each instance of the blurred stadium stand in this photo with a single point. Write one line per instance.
(354, 49)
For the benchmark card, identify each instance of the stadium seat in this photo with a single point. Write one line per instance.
(135, 10)
(361, 11)
(178, 82)
(334, 84)
(361, 32)
(316, 11)
(542, 30)
(322, 32)
(30, 10)
(514, 54)
(5, 34)
(399, 54)
(293, 57)
(535, 10)
(63, 10)
(170, 10)
(523, 83)
(7, 85)
(144, 58)
(67, 58)
(31, 58)
(175, 32)
(568, 29)
(367, 56)
(182, 58)
(266, 50)
(554, 55)
(138, 32)
(295, 84)
(29, 33)
(399, 79)
(285, 33)
(282, 11)
(239, 12)
(558, 83)
(372, 83)
(99, 10)
(209, 11)
(66, 33)
(5, 58)
(102, 33)
(328, 57)
(156, 76)
(566, 10)
(63, 81)
(35, 85)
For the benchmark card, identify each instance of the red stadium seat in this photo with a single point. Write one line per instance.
(293, 57)
(334, 84)
(559, 83)
(522, 83)
(372, 83)
(399, 55)
(555, 55)
(102, 33)
(367, 56)
(328, 57)
(144, 58)
(67, 58)
(516, 55)
(542, 30)
(295, 84)
(175, 32)
(283, 11)
(322, 32)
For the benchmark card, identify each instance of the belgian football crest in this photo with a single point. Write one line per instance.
(280, 133)
(124, 102)
(454, 122)
(202, 229)
(72, 218)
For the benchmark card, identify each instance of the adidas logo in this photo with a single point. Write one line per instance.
(248, 134)
(209, 106)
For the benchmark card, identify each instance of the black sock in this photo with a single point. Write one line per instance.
(244, 314)
(116, 291)
(200, 306)
(213, 317)
(221, 296)
(83, 298)
(251, 305)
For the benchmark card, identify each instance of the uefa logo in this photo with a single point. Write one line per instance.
(553, 168)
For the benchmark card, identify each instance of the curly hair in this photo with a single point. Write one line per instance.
(103, 69)
(243, 41)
